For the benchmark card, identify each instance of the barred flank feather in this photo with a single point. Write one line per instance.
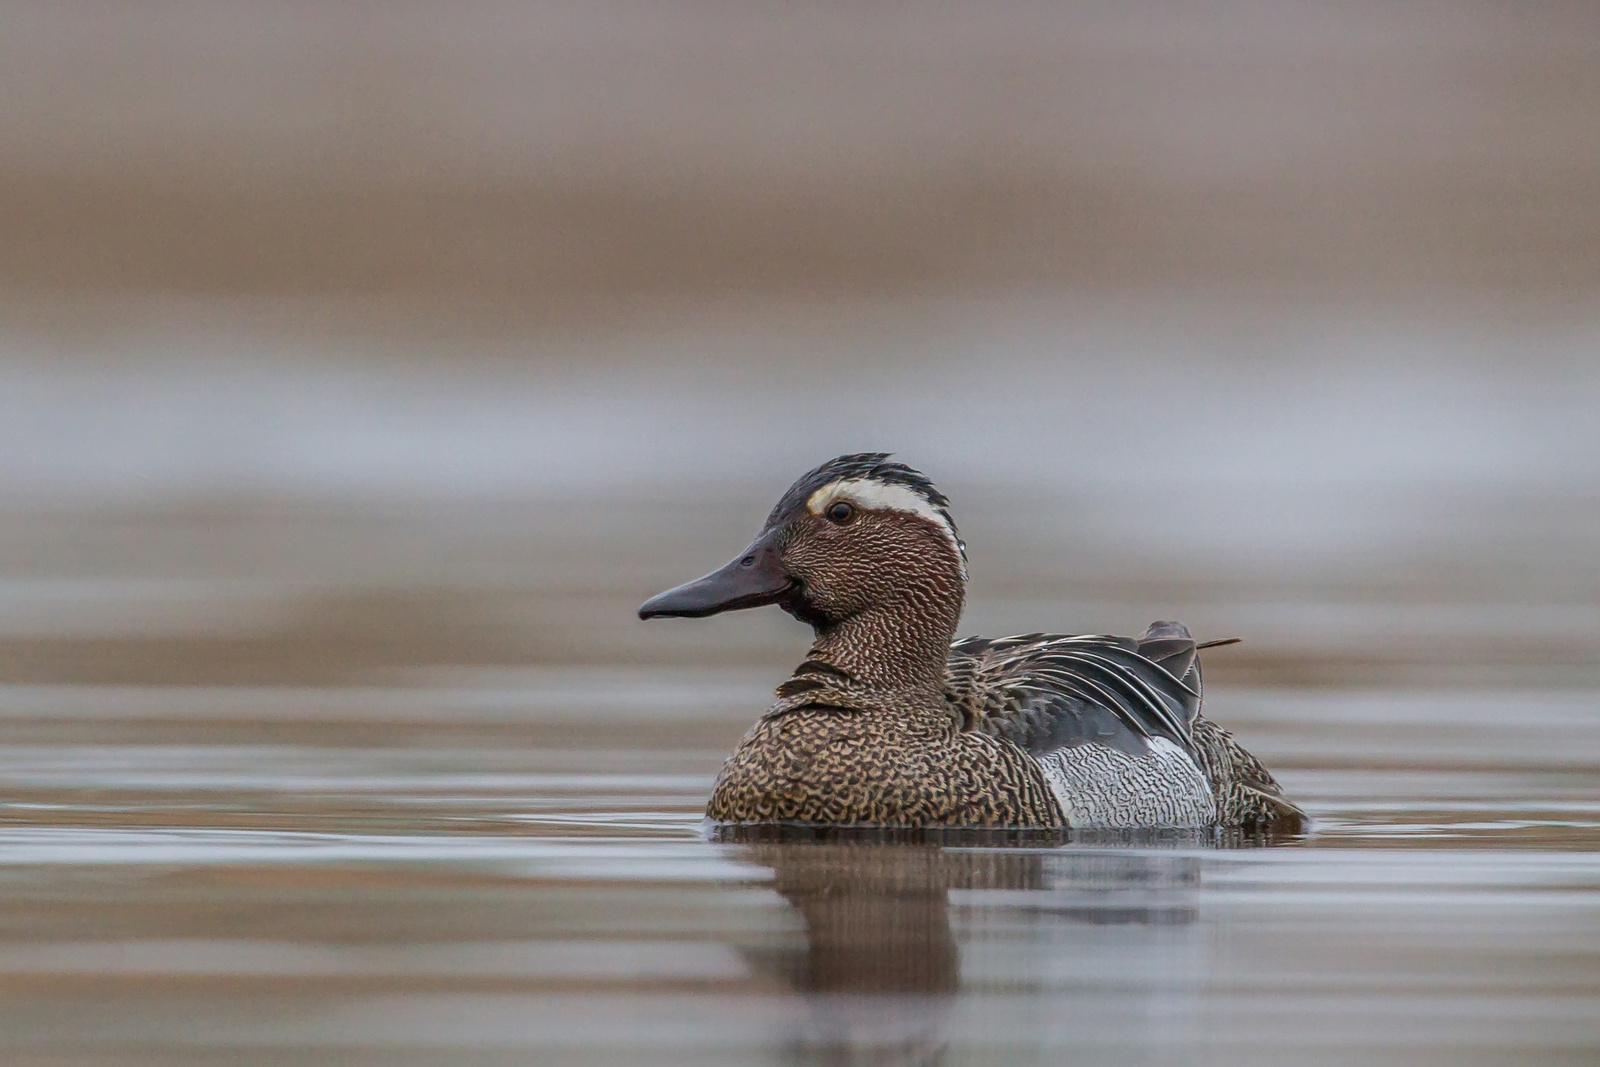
(1048, 692)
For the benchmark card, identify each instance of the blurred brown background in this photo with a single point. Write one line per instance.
(532, 156)
(349, 343)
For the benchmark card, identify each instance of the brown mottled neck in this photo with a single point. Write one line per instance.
(902, 644)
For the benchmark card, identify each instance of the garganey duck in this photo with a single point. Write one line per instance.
(889, 722)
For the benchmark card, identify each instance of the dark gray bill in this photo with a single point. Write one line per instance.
(755, 578)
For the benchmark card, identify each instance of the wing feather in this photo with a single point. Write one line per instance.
(1050, 691)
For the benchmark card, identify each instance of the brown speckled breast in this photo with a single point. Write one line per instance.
(881, 766)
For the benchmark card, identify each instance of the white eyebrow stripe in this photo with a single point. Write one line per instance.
(871, 495)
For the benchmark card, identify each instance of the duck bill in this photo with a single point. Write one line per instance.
(754, 578)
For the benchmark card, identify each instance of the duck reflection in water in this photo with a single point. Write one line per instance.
(881, 967)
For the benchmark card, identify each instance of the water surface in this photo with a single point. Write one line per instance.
(484, 886)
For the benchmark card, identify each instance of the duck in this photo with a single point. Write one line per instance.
(891, 721)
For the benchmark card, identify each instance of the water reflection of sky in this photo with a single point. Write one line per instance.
(408, 903)
(1158, 394)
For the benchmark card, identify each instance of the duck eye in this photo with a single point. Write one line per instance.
(841, 512)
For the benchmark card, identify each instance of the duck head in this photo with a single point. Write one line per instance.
(862, 549)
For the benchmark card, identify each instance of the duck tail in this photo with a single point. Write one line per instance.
(1171, 645)
(1218, 643)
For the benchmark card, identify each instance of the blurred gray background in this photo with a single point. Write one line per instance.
(369, 343)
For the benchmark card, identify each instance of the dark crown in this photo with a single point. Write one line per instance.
(871, 466)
